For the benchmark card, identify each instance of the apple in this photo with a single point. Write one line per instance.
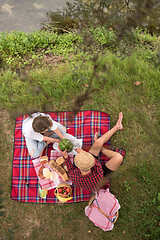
(64, 187)
(68, 190)
(59, 190)
(65, 193)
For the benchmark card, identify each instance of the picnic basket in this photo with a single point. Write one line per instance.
(92, 199)
(60, 196)
(103, 209)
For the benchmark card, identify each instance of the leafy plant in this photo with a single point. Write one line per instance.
(121, 15)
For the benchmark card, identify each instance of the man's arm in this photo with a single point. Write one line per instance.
(78, 150)
(67, 160)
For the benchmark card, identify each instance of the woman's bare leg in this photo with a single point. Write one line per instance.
(98, 144)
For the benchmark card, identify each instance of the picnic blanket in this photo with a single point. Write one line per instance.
(25, 182)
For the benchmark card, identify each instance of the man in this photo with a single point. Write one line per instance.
(88, 171)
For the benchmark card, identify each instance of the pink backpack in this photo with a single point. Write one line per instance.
(102, 209)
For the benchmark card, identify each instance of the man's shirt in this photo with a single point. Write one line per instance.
(89, 181)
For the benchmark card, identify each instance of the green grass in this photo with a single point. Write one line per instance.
(54, 87)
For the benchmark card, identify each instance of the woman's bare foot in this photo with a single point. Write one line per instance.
(95, 136)
(119, 122)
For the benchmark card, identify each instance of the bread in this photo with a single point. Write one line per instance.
(46, 173)
(44, 160)
(40, 173)
(60, 160)
(65, 168)
(54, 165)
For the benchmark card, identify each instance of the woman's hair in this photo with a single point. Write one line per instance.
(41, 123)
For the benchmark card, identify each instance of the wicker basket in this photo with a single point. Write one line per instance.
(61, 197)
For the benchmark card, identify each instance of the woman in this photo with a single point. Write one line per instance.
(40, 129)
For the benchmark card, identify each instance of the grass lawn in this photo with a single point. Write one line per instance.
(52, 82)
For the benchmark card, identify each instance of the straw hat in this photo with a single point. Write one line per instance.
(84, 160)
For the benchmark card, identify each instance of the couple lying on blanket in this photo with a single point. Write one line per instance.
(40, 129)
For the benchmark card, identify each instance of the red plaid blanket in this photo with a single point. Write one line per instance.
(24, 178)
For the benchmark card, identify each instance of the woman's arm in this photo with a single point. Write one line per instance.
(49, 139)
(57, 131)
